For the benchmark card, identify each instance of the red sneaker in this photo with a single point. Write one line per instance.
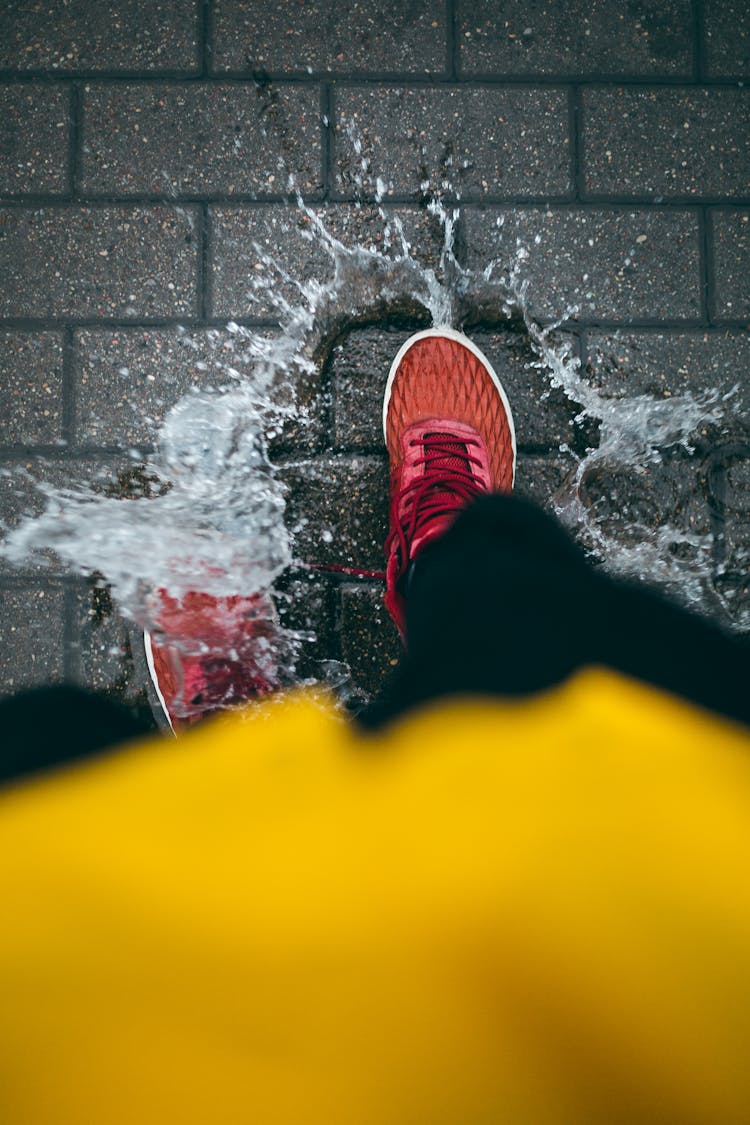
(449, 434)
(212, 653)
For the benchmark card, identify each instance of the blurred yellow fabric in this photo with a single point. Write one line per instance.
(530, 911)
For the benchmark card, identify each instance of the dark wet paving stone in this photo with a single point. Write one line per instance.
(32, 636)
(662, 142)
(727, 24)
(187, 139)
(334, 36)
(613, 264)
(470, 142)
(31, 388)
(580, 37)
(131, 35)
(35, 126)
(97, 262)
(731, 254)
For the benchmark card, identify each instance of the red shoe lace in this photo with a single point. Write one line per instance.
(446, 485)
(449, 480)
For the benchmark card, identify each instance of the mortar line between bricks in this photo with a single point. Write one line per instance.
(559, 201)
(204, 37)
(640, 324)
(708, 265)
(451, 40)
(703, 263)
(575, 111)
(699, 46)
(76, 453)
(370, 78)
(202, 265)
(69, 386)
(76, 127)
(327, 154)
(403, 199)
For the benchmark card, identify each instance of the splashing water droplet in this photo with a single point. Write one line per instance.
(215, 521)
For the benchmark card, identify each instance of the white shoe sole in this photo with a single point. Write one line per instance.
(155, 682)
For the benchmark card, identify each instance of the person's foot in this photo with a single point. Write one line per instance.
(211, 654)
(449, 435)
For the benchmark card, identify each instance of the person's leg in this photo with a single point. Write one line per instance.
(489, 594)
(49, 726)
(505, 603)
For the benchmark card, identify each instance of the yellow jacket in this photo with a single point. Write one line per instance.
(521, 912)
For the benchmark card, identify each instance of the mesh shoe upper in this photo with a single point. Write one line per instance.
(449, 435)
(211, 653)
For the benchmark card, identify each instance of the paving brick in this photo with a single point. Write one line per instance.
(731, 254)
(31, 637)
(614, 263)
(127, 379)
(580, 37)
(187, 139)
(666, 141)
(727, 30)
(362, 360)
(541, 479)
(129, 35)
(34, 139)
(481, 142)
(370, 644)
(283, 232)
(664, 364)
(98, 262)
(337, 36)
(31, 405)
(337, 510)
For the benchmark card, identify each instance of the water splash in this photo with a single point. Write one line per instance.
(215, 518)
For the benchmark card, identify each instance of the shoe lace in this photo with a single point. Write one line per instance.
(446, 485)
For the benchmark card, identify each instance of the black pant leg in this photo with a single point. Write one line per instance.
(506, 603)
(45, 727)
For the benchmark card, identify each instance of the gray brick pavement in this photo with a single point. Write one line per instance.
(478, 141)
(35, 129)
(236, 234)
(614, 264)
(31, 388)
(32, 641)
(581, 37)
(130, 35)
(730, 230)
(342, 36)
(117, 262)
(675, 141)
(128, 379)
(198, 139)
(144, 150)
(727, 38)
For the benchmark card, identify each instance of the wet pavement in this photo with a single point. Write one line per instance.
(144, 152)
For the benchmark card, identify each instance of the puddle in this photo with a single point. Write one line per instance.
(207, 509)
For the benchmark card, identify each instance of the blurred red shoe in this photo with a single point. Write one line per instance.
(210, 654)
(449, 434)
